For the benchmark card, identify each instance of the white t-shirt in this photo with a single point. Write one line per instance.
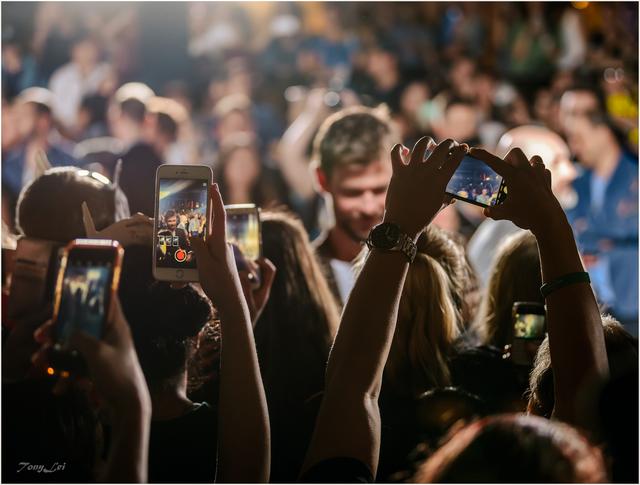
(345, 277)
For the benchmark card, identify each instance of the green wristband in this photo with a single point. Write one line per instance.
(566, 280)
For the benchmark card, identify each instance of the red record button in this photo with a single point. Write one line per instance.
(180, 255)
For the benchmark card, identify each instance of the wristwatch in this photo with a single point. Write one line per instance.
(389, 237)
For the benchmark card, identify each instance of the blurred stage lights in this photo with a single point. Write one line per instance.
(580, 5)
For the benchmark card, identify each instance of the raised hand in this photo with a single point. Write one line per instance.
(530, 203)
(135, 230)
(416, 192)
(214, 256)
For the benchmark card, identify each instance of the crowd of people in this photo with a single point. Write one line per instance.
(374, 339)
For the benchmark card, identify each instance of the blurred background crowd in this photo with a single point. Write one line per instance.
(243, 87)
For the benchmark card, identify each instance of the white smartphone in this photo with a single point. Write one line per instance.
(181, 212)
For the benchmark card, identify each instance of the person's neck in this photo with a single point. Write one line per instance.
(131, 135)
(170, 402)
(343, 246)
(608, 161)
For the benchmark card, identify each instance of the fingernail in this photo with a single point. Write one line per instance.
(215, 187)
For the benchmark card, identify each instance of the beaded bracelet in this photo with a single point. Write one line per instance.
(566, 280)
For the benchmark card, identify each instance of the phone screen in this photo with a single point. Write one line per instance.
(475, 182)
(85, 293)
(182, 215)
(243, 230)
(529, 326)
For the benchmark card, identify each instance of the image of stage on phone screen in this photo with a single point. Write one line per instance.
(84, 302)
(475, 182)
(181, 216)
(528, 326)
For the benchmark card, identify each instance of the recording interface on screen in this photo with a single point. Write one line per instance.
(84, 300)
(182, 213)
(474, 180)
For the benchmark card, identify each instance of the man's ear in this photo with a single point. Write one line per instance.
(321, 179)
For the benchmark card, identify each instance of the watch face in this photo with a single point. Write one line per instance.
(385, 236)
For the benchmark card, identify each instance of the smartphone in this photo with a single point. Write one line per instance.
(33, 277)
(476, 183)
(529, 321)
(181, 213)
(87, 281)
(243, 229)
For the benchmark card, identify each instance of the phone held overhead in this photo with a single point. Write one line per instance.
(181, 213)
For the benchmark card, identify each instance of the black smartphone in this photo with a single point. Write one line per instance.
(529, 321)
(476, 183)
(86, 285)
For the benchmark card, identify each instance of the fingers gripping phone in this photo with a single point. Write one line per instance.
(182, 212)
(86, 285)
(476, 183)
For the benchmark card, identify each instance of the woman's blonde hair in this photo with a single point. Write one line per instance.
(515, 276)
(429, 316)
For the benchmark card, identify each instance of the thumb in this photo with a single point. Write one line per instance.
(87, 220)
(199, 247)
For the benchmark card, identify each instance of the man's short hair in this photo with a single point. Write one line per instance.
(133, 109)
(169, 214)
(170, 115)
(353, 136)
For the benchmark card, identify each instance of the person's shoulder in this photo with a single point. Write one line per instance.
(59, 157)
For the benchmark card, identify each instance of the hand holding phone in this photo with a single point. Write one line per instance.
(531, 203)
(86, 286)
(134, 230)
(216, 262)
(417, 188)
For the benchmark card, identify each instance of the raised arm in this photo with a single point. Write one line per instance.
(292, 156)
(348, 424)
(576, 338)
(244, 449)
(119, 381)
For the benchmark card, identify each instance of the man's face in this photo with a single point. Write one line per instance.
(359, 193)
(573, 105)
(171, 222)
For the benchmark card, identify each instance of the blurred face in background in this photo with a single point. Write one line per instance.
(85, 54)
(462, 78)
(587, 140)
(460, 122)
(236, 121)
(380, 63)
(241, 170)
(413, 97)
(573, 105)
(358, 193)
